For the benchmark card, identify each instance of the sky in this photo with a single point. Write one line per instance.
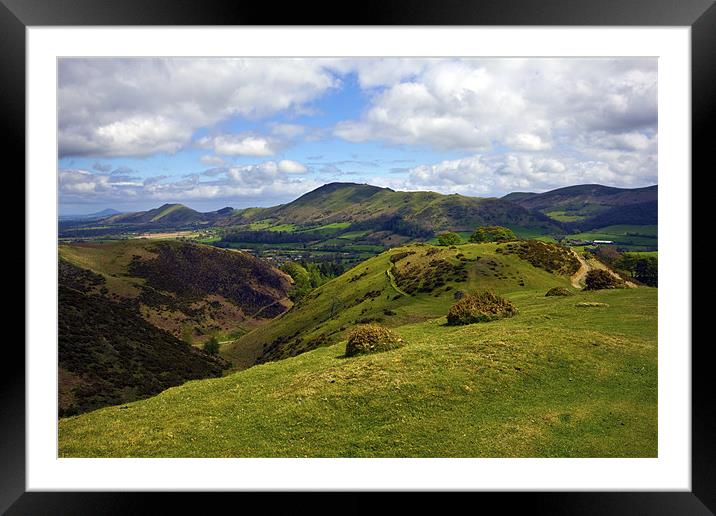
(136, 133)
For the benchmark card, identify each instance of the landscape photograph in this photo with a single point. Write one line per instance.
(357, 257)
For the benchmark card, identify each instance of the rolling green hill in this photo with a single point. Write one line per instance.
(392, 218)
(556, 380)
(385, 209)
(166, 215)
(361, 206)
(405, 285)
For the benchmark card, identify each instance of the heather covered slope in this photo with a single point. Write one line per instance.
(109, 355)
(556, 380)
(189, 290)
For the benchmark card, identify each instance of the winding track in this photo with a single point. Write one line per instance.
(578, 278)
(391, 278)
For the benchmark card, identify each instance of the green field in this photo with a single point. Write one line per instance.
(565, 216)
(646, 254)
(631, 238)
(553, 381)
(528, 233)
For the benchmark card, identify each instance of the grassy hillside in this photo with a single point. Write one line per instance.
(189, 290)
(405, 285)
(556, 380)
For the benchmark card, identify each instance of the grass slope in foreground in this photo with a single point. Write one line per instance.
(554, 381)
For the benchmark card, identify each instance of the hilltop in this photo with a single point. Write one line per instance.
(167, 214)
(590, 206)
(372, 207)
(405, 285)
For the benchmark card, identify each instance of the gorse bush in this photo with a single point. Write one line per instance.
(559, 291)
(371, 338)
(492, 234)
(553, 258)
(480, 307)
(598, 279)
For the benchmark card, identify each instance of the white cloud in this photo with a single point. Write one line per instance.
(268, 182)
(499, 174)
(239, 145)
(522, 104)
(212, 160)
(291, 167)
(378, 72)
(138, 106)
(528, 142)
(288, 131)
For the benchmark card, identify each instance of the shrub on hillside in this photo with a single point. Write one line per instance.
(480, 307)
(400, 255)
(449, 238)
(371, 338)
(598, 279)
(559, 291)
(211, 346)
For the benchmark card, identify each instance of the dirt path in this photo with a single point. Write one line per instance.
(578, 278)
(391, 278)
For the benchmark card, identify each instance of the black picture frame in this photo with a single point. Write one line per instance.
(16, 15)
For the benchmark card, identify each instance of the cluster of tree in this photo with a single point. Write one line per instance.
(394, 224)
(269, 237)
(644, 269)
(492, 234)
(309, 275)
(329, 268)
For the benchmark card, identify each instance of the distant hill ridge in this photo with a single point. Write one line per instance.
(563, 209)
(591, 206)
